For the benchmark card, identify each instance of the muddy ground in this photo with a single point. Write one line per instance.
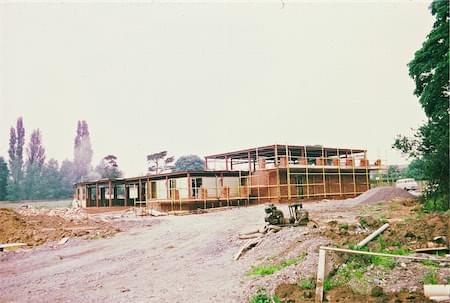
(190, 258)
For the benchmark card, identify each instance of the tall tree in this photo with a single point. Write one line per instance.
(82, 152)
(430, 71)
(15, 152)
(4, 173)
(33, 188)
(108, 168)
(52, 184)
(159, 162)
(189, 162)
(35, 150)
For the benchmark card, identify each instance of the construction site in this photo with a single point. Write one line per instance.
(277, 223)
(274, 173)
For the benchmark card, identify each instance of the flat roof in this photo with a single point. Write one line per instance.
(294, 150)
(177, 174)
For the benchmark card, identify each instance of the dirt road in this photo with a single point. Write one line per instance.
(175, 259)
(165, 259)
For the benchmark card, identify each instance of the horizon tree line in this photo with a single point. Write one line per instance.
(28, 175)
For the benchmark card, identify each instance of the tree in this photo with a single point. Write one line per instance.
(15, 152)
(430, 72)
(82, 152)
(415, 170)
(159, 162)
(35, 150)
(393, 173)
(67, 173)
(189, 162)
(4, 173)
(108, 168)
(36, 157)
(52, 182)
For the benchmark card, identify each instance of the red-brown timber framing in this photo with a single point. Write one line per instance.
(272, 173)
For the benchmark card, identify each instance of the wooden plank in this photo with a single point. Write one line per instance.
(11, 245)
(373, 235)
(437, 259)
(432, 249)
(320, 276)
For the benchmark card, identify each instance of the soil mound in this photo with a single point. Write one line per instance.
(38, 229)
(294, 294)
(384, 193)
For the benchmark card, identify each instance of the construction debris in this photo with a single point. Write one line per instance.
(11, 245)
(247, 246)
(63, 241)
(373, 235)
(437, 292)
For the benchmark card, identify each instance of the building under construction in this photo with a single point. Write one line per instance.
(274, 173)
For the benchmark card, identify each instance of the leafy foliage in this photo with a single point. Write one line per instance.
(15, 151)
(189, 162)
(82, 152)
(159, 162)
(307, 283)
(415, 170)
(37, 179)
(261, 296)
(108, 168)
(4, 172)
(431, 277)
(430, 72)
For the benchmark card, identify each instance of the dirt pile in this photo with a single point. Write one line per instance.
(65, 213)
(418, 232)
(384, 193)
(343, 233)
(292, 293)
(37, 229)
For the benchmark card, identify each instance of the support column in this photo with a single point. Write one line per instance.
(206, 163)
(323, 174)
(339, 172)
(366, 161)
(306, 171)
(278, 173)
(125, 194)
(249, 162)
(96, 193)
(189, 186)
(288, 173)
(110, 192)
(258, 178)
(353, 172)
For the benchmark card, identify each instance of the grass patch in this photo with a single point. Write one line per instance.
(268, 269)
(307, 283)
(431, 277)
(383, 261)
(262, 296)
(430, 263)
(354, 269)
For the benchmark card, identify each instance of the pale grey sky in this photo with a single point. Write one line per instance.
(202, 78)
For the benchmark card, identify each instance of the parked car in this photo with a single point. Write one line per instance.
(407, 184)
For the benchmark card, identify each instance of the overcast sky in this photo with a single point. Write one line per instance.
(210, 77)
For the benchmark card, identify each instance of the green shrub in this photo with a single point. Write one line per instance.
(307, 283)
(386, 262)
(261, 296)
(430, 263)
(328, 284)
(431, 277)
